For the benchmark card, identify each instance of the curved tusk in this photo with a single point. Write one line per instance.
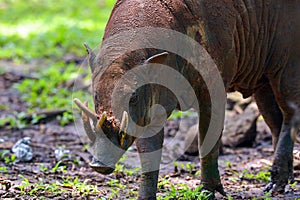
(87, 125)
(101, 121)
(123, 127)
(86, 110)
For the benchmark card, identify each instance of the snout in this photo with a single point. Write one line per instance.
(100, 167)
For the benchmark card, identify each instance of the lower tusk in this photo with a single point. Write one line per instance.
(123, 127)
(101, 121)
(124, 122)
(87, 126)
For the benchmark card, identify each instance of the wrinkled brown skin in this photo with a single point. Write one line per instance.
(255, 46)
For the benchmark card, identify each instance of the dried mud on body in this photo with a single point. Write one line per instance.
(48, 175)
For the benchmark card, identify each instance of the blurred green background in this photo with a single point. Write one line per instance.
(45, 39)
(34, 29)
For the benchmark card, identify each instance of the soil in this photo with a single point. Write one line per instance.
(48, 136)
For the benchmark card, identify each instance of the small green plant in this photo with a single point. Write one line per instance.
(58, 167)
(114, 193)
(3, 169)
(66, 118)
(25, 184)
(36, 118)
(86, 147)
(120, 168)
(163, 183)
(10, 159)
(17, 120)
(130, 172)
(133, 192)
(3, 154)
(175, 164)
(7, 157)
(36, 188)
(262, 176)
(198, 173)
(76, 161)
(40, 187)
(80, 187)
(183, 191)
(3, 106)
(293, 185)
(53, 188)
(43, 168)
(228, 164)
(115, 187)
(180, 114)
(116, 183)
(188, 167)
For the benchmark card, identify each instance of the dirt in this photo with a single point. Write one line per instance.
(48, 136)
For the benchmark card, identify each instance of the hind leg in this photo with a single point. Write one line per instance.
(288, 91)
(270, 110)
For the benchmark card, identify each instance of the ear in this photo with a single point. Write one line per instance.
(91, 56)
(158, 58)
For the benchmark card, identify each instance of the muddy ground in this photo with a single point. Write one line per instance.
(48, 136)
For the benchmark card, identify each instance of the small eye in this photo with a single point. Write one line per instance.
(133, 99)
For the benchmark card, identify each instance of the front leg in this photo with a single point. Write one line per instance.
(210, 177)
(150, 150)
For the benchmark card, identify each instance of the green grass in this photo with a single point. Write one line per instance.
(50, 91)
(261, 177)
(181, 191)
(74, 185)
(50, 29)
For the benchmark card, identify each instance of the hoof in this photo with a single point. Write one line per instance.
(218, 188)
(100, 167)
(279, 186)
(281, 175)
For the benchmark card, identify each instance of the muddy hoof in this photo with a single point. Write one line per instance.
(100, 167)
(281, 175)
(279, 186)
(275, 188)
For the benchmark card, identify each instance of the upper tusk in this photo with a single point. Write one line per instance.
(124, 122)
(123, 127)
(101, 121)
(86, 110)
